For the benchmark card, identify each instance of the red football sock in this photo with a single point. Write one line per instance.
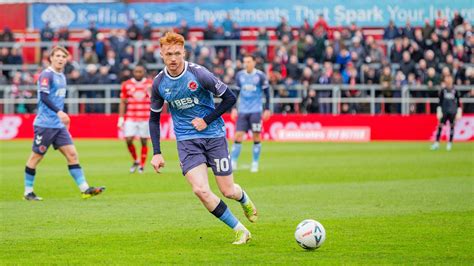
(131, 149)
(144, 154)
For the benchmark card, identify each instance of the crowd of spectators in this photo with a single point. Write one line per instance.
(314, 53)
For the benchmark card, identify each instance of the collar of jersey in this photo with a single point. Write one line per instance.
(180, 75)
(138, 82)
(252, 73)
(52, 69)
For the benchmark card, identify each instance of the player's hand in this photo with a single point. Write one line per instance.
(233, 114)
(64, 118)
(266, 115)
(459, 113)
(157, 162)
(439, 113)
(199, 124)
(120, 122)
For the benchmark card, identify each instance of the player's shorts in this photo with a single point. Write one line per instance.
(136, 128)
(252, 121)
(448, 117)
(213, 152)
(44, 137)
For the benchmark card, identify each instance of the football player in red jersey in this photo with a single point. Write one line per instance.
(134, 114)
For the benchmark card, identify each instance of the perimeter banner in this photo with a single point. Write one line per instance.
(247, 13)
(314, 128)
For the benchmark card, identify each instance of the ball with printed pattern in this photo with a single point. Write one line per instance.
(310, 234)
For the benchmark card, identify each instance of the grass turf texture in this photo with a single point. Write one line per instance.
(379, 202)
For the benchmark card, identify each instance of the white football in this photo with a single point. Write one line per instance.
(310, 234)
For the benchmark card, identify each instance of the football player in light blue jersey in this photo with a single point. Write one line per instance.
(189, 90)
(51, 127)
(253, 84)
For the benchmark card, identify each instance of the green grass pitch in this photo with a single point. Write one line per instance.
(381, 203)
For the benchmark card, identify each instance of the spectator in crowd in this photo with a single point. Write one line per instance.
(104, 77)
(100, 47)
(440, 21)
(133, 31)
(128, 54)
(7, 35)
(74, 78)
(386, 80)
(184, 28)
(321, 22)
(112, 62)
(329, 55)
(210, 31)
(343, 58)
(47, 33)
(148, 56)
(306, 27)
(419, 38)
(89, 57)
(431, 60)
(147, 30)
(407, 65)
(391, 31)
(63, 34)
(293, 69)
(325, 79)
(15, 57)
(427, 29)
(283, 29)
(227, 26)
(87, 43)
(93, 29)
(310, 102)
(408, 31)
(375, 54)
(457, 20)
(320, 38)
(118, 41)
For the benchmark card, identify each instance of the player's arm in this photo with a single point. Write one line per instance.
(44, 90)
(266, 92)
(219, 89)
(458, 104)
(439, 110)
(234, 111)
(156, 106)
(122, 105)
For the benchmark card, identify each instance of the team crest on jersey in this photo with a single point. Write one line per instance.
(192, 85)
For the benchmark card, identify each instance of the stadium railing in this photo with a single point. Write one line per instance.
(369, 99)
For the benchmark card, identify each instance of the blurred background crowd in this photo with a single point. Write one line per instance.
(314, 53)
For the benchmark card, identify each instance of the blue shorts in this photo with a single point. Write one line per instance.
(248, 121)
(213, 152)
(44, 137)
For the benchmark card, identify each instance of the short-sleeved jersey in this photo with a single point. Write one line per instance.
(251, 90)
(137, 94)
(449, 100)
(54, 84)
(189, 95)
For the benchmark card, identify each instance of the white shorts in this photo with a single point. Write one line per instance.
(134, 128)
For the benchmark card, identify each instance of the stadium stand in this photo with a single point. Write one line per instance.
(369, 70)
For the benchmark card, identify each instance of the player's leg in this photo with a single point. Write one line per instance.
(452, 123)
(144, 135)
(42, 139)
(30, 172)
(443, 120)
(242, 126)
(129, 132)
(236, 148)
(256, 123)
(193, 163)
(63, 142)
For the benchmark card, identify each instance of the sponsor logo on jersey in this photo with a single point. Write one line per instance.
(192, 85)
(184, 103)
(44, 82)
(61, 92)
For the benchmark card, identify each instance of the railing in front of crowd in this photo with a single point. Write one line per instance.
(331, 99)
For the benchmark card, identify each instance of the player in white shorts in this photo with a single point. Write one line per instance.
(134, 114)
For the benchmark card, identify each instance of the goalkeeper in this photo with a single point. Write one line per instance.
(449, 109)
